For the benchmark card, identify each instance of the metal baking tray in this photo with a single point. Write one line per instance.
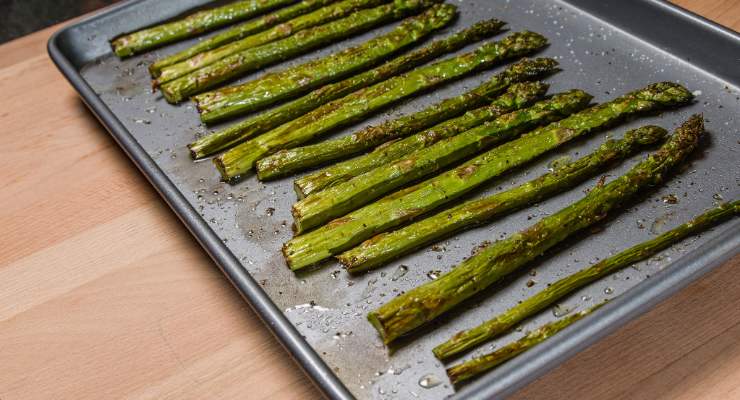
(605, 47)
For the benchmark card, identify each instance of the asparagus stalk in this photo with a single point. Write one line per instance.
(268, 120)
(466, 340)
(338, 200)
(472, 368)
(395, 209)
(386, 246)
(238, 32)
(393, 150)
(192, 25)
(425, 303)
(253, 59)
(321, 16)
(359, 104)
(256, 94)
(286, 162)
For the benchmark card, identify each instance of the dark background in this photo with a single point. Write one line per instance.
(21, 17)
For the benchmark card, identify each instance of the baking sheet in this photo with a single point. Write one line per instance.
(327, 307)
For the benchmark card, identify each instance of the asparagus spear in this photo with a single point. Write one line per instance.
(256, 94)
(359, 104)
(466, 340)
(478, 365)
(425, 303)
(253, 59)
(392, 150)
(192, 25)
(321, 16)
(400, 207)
(380, 249)
(290, 161)
(239, 132)
(238, 32)
(336, 201)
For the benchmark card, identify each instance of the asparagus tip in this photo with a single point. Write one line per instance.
(647, 135)
(533, 67)
(489, 24)
(668, 93)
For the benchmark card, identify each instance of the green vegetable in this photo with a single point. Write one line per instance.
(268, 120)
(192, 25)
(361, 103)
(238, 32)
(287, 162)
(382, 248)
(321, 16)
(493, 262)
(253, 59)
(393, 150)
(251, 96)
(466, 340)
(338, 200)
(398, 208)
(470, 369)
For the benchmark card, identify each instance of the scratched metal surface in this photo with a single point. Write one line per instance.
(329, 307)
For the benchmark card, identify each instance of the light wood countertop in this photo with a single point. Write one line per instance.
(104, 294)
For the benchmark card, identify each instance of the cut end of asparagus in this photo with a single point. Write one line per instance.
(172, 97)
(298, 226)
(223, 169)
(194, 151)
(154, 72)
(300, 263)
(286, 252)
(374, 320)
(118, 45)
(356, 263)
(264, 167)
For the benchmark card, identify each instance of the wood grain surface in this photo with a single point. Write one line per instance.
(104, 294)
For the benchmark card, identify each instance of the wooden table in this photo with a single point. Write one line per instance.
(103, 294)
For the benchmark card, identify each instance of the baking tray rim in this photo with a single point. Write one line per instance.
(498, 383)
